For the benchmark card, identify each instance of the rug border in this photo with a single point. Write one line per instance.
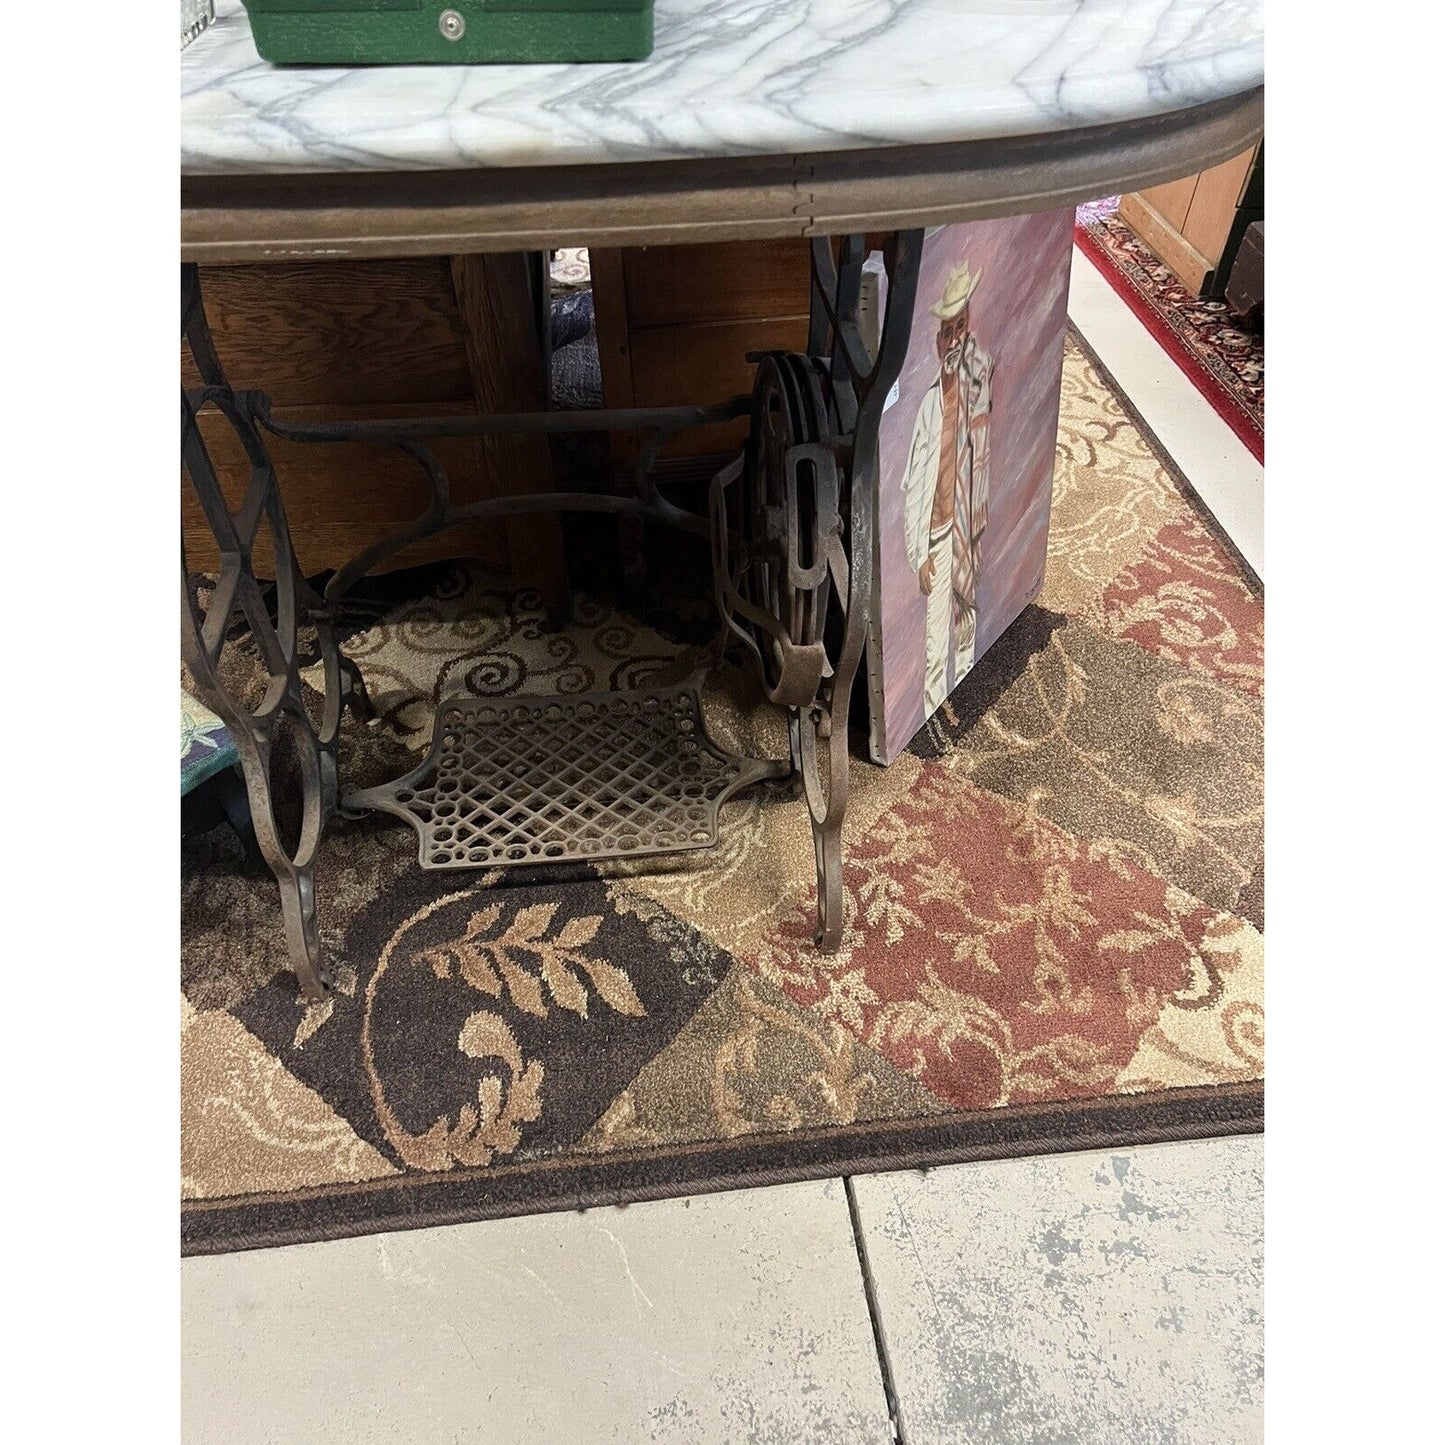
(1108, 1122)
(1182, 484)
(1239, 421)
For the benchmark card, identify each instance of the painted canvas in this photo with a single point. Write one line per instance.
(966, 462)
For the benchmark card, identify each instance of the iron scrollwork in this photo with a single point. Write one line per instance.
(277, 732)
(792, 528)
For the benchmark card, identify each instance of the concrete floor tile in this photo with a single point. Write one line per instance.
(1111, 1297)
(733, 1317)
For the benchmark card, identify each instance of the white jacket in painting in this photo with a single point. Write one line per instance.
(954, 548)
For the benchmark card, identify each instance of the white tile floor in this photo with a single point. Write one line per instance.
(1113, 1297)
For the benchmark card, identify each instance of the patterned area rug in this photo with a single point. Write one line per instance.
(1054, 902)
(1225, 363)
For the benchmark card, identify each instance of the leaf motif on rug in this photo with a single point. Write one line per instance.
(1172, 763)
(1110, 496)
(1016, 981)
(489, 959)
(752, 1062)
(248, 1123)
(506, 1099)
(1185, 601)
(482, 1131)
(1212, 1029)
(490, 1127)
(836, 1083)
(959, 1025)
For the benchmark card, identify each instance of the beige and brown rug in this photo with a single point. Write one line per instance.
(1055, 921)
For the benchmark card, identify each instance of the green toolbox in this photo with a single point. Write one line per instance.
(449, 32)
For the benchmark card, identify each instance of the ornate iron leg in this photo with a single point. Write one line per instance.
(277, 736)
(298, 911)
(792, 526)
(794, 523)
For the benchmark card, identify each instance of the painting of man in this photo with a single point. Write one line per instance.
(965, 462)
(945, 487)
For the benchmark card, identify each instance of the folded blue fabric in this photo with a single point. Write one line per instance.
(206, 744)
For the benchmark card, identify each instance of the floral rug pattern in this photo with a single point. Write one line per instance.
(1054, 918)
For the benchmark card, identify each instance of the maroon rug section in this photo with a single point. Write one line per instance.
(1223, 361)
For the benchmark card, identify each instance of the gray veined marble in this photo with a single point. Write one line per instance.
(727, 78)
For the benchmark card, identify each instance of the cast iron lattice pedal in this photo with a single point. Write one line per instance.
(557, 779)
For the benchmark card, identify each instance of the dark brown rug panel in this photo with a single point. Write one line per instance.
(221, 1226)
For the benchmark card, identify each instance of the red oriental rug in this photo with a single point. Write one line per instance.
(1224, 362)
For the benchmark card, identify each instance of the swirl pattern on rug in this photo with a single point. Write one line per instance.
(1053, 900)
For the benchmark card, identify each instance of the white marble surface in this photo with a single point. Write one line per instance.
(728, 77)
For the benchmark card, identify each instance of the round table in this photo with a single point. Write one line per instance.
(821, 119)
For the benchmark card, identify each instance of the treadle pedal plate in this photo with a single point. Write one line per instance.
(571, 777)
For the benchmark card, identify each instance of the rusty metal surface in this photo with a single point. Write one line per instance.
(567, 778)
(606, 775)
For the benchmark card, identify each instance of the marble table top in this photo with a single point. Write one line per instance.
(728, 78)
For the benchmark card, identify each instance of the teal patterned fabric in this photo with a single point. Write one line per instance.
(206, 745)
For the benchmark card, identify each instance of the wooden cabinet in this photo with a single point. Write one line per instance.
(1195, 225)
(348, 340)
(675, 325)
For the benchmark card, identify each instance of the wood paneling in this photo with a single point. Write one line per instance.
(349, 333)
(340, 497)
(675, 325)
(690, 285)
(1192, 269)
(679, 365)
(1171, 200)
(1217, 198)
(504, 359)
(1194, 225)
(349, 340)
(614, 327)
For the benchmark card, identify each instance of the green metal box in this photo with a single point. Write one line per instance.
(449, 32)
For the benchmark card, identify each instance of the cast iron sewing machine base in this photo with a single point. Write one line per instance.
(535, 780)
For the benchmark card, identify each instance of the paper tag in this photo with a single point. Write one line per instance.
(893, 394)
